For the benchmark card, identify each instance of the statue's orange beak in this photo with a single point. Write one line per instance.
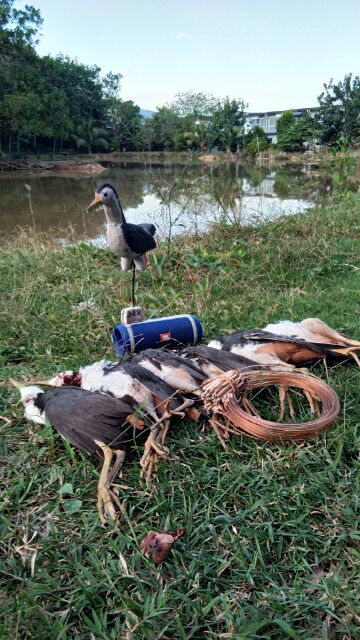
(94, 203)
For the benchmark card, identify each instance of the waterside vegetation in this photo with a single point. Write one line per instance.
(58, 105)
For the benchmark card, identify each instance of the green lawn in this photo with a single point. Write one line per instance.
(271, 548)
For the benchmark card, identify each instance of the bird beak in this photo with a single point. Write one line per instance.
(94, 203)
(18, 385)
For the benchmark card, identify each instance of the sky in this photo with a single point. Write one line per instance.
(273, 54)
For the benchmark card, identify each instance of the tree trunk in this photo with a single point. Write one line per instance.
(18, 142)
(54, 145)
(10, 142)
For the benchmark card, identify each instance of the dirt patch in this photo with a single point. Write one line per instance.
(208, 158)
(88, 169)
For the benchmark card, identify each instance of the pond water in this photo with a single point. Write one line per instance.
(187, 198)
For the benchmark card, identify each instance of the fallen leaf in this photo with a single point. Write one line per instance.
(158, 545)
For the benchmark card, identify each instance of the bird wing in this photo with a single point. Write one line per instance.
(258, 335)
(139, 239)
(160, 389)
(83, 416)
(161, 357)
(224, 360)
(148, 226)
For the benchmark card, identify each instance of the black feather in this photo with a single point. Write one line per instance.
(82, 417)
(224, 360)
(138, 238)
(149, 380)
(148, 226)
(258, 335)
(159, 357)
(106, 185)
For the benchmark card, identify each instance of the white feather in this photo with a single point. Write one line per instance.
(215, 344)
(176, 377)
(33, 413)
(250, 350)
(116, 382)
(28, 395)
(291, 329)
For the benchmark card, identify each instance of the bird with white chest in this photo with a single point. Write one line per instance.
(130, 242)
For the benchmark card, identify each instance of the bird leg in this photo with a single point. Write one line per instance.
(120, 457)
(133, 285)
(106, 498)
(219, 429)
(350, 351)
(154, 449)
(285, 396)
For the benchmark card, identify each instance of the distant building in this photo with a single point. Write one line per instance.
(267, 120)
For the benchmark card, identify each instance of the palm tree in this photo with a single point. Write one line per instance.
(88, 135)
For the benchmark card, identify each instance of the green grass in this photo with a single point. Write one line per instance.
(272, 546)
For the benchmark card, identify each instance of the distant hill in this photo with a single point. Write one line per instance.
(146, 113)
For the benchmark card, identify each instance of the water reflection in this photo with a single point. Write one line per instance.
(187, 198)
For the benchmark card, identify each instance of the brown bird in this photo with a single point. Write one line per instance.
(133, 383)
(294, 343)
(184, 376)
(212, 362)
(94, 422)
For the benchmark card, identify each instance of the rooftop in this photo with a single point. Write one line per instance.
(274, 113)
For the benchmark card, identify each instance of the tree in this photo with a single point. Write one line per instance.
(256, 141)
(339, 114)
(124, 121)
(57, 116)
(111, 85)
(195, 111)
(198, 106)
(166, 125)
(91, 136)
(292, 132)
(18, 27)
(227, 123)
(148, 134)
(25, 114)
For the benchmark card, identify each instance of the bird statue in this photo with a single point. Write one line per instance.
(95, 422)
(130, 242)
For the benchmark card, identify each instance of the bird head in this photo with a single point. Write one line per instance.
(65, 379)
(105, 194)
(28, 395)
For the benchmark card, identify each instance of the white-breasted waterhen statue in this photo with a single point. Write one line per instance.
(130, 242)
(95, 422)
